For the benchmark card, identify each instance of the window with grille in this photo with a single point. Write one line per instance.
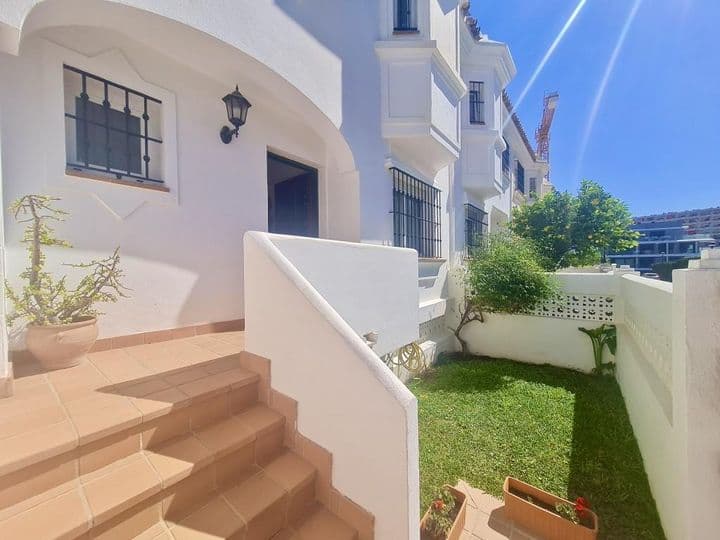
(475, 227)
(506, 158)
(405, 19)
(520, 177)
(533, 187)
(111, 130)
(477, 102)
(416, 214)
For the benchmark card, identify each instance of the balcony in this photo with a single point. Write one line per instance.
(420, 93)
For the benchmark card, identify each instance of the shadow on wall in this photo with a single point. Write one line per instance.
(194, 251)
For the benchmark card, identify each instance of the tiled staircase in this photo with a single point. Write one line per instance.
(129, 445)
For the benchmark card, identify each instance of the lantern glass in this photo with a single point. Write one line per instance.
(237, 107)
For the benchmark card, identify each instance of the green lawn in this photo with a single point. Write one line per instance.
(568, 433)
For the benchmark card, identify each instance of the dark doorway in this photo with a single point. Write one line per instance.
(292, 197)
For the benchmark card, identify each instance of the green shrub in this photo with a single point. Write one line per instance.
(43, 300)
(665, 269)
(503, 275)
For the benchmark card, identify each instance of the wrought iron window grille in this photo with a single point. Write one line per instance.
(477, 102)
(506, 158)
(404, 16)
(520, 180)
(475, 227)
(416, 214)
(111, 138)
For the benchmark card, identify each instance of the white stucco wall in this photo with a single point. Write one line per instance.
(348, 400)
(182, 252)
(544, 340)
(371, 287)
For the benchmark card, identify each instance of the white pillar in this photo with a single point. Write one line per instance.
(696, 391)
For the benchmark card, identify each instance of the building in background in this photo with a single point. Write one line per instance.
(660, 242)
(703, 222)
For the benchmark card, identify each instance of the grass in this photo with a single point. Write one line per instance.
(566, 432)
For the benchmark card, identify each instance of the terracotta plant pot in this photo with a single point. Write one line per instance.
(58, 346)
(459, 523)
(537, 519)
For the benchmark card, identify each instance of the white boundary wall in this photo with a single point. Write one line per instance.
(349, 402)
(544, 340)
(668, 369)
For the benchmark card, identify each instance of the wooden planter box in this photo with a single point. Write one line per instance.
(459, 524)
(541, 521)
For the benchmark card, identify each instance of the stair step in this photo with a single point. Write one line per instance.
(101, 427)
(257, 505)
(322, 524)
(75, 407)
(123, 484)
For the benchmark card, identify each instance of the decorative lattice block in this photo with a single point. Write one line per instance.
(582, 307)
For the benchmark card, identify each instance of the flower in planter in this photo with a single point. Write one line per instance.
(440, 519)
(573, 512)
(581, 505)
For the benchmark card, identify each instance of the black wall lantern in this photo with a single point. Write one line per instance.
(237, 109)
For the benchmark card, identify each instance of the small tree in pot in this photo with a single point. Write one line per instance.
(61, 321)
(504, 274)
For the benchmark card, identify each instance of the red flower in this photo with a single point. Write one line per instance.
(438, 504)
(581, 505)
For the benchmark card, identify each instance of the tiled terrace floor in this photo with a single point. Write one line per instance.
(52, 412)
(486, 519)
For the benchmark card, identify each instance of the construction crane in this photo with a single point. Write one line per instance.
(542, 133)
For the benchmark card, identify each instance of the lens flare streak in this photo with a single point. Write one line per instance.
(578, 8)
(599, 96)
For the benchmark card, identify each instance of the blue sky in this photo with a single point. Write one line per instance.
(656, 137)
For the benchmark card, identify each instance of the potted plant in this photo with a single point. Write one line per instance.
(445, 519)
(61, 321)
(546, 515)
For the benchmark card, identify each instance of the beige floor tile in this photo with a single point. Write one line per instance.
(118, 366)
(133, 523)
(214, 521)
(178, 458)
(99, 454)
(290, 471)
(104, 417)
(78, 382)
(323, 524)
(62, 517)
(262, 505)
(286, 534)
(161, 430)
(207, 412)
(219, 347)
(262, 419)
(37, 445)
(30, 420)
(38, 396)
(120, 489)
(37, 483)
(243, 398)
(160, 403)
(224, 363)
(226, 436)
(205, 387)
(143, 387)
(190, 494)
(156, 532)
(186, 375)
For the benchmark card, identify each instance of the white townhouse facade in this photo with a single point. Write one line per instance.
(379, 123)
(172, 130)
